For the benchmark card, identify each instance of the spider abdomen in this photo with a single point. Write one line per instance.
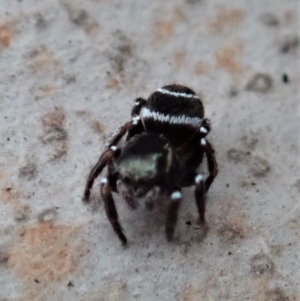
(174, 110)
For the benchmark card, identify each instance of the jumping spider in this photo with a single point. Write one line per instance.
(165, 144)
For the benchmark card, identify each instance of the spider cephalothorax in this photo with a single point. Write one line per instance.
(165, 144)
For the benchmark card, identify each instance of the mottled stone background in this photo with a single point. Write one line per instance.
(69, 73)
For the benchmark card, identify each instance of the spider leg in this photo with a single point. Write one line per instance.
(200, 197)
(122, 130)
(138, 104)
(135, 112)
(205, 127)
(172, 214)
(211, 162)
(96, 170)
(108, 154)
(127, 194)
(201, 186)
(151, 197)
(111, 210)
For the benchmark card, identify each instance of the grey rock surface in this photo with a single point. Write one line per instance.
(70, 71)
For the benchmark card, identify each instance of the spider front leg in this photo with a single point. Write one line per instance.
(172, 214)
(105, 158)
(111, 210)
(108, 154)
(122, 130)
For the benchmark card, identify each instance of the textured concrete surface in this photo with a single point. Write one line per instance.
(69, 72)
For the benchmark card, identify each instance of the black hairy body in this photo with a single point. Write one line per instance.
(165, 144)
